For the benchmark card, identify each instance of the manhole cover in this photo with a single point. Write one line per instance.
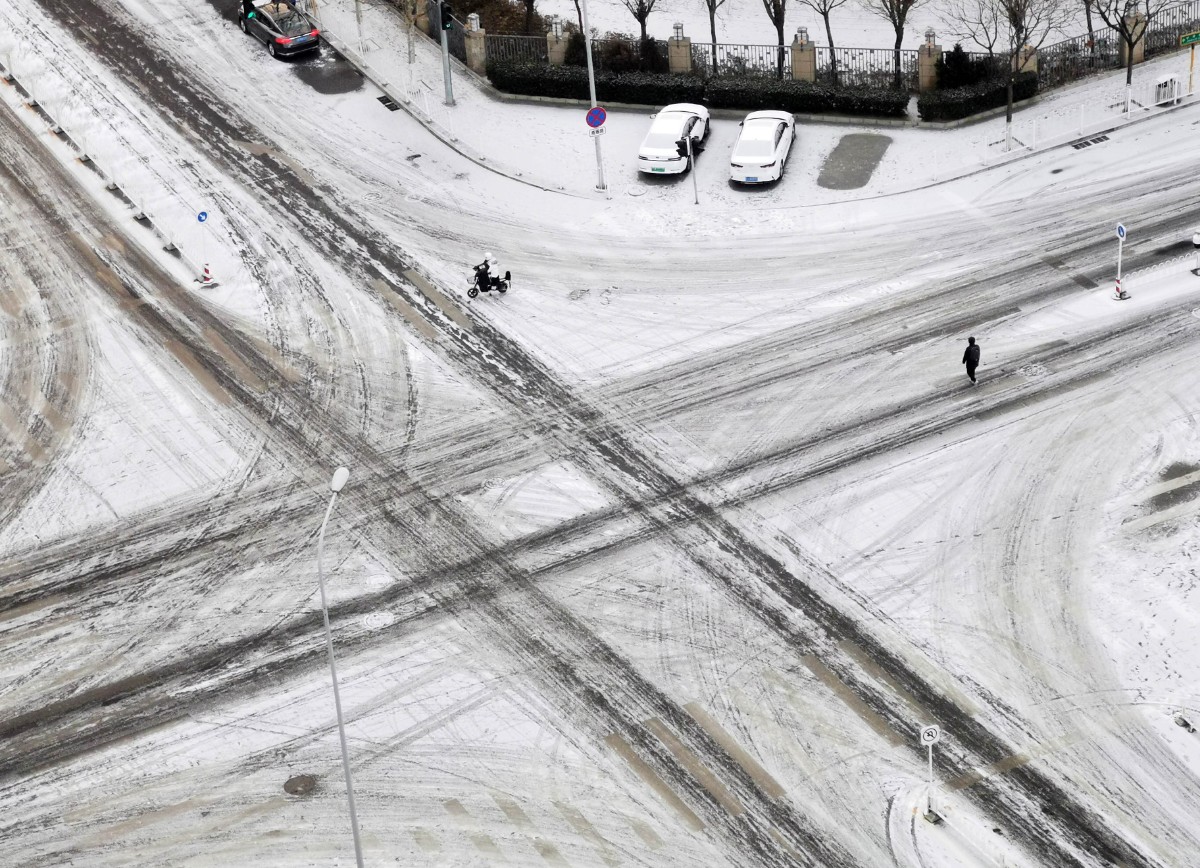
(379, 580)
(300, 785)
(378, 620)
(1032, 372)
(373, 196)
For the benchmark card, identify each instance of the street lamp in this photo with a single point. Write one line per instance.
(802, 35)
(336, 484)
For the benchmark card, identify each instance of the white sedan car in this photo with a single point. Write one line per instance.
(659, 154)
(762, 148)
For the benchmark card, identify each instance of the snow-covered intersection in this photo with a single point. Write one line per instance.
(664, 557)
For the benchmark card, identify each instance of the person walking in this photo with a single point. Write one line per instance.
(971, 358)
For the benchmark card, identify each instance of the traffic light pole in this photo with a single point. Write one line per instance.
(444, 19)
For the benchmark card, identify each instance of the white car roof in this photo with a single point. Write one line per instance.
(773, 115)
(759, 128)
(689, 107)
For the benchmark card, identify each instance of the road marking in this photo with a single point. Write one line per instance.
(405, 309)
(652, 780)
(426, 839)
(444, 304)
(999, 767)
(1170, 485)
(1174, 512)
(756, 772)
(695, 767)
(647, 834)
(483, 842)
(867, 714)
(585, 829)
(226, 352)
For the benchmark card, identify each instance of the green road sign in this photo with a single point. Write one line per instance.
(1189, 39)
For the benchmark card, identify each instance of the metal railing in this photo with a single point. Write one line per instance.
(867, 67)
(1073, 59)
(521, 49)
(1165, 28)
(741, 61)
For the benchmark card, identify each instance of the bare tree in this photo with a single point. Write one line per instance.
(713, 6)
(896, 13)
(823, 8)
(977, 21)
(640, 10)
(1131, 19)
(1023, 25)
(776, 10)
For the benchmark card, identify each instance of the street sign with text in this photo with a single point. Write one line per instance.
(1189, 39)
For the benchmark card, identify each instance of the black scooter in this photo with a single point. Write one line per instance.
(484, 282)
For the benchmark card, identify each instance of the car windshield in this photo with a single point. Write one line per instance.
(293, 24)
(758, 140)
(666, 130)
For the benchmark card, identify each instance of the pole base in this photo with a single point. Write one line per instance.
(933, 817)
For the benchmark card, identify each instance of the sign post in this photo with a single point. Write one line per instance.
(1120, 293)
(931, 734)
(1190, 40)
(587, 50)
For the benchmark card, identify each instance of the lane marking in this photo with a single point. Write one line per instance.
(652, 780)
(695, 767)
(435, 295)
(647, 834)
(482, 841)
(425, 839)
(585, 829)
(852, 700)
(1170, 514)
(405, 310)
(1170, 485)
(757, 773)
(243, 370)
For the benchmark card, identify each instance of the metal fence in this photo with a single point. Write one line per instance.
(1165, 28)
(741, 61)
(867, 67)
(520, 49)
(621, 54)
(1073, 59)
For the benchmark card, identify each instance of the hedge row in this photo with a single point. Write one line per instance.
(647, 88)
(961, 102)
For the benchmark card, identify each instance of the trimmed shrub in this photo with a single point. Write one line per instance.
(651, 88)
(956, 68)
(541, 79)
(658, 89)
(804, 97)
(961, 102)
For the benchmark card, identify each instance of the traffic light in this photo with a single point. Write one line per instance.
(446, 16)
(681, 147)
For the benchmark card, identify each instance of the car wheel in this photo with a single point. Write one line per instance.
(242, 24)
(271, 49)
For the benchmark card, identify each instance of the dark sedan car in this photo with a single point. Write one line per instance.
(285, 29)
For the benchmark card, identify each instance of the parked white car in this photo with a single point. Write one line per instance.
(658, 154)
(762, 148)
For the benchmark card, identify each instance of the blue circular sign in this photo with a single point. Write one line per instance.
(1121, 230)
(202, 216)
(595, 117)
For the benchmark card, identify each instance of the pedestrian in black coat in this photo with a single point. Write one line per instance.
(971, 358)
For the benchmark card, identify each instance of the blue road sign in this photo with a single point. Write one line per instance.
(1121, 231)
(202, 216)
(596, 116)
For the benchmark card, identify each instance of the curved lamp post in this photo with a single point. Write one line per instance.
(336, 485)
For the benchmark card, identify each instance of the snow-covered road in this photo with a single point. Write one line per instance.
(663, 557)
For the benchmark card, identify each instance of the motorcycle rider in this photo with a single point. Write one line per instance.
(487, 273)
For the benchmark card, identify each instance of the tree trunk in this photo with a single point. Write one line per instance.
(899, 80)
(779, 42)
(1008, 112)
(712, 26)
(832, 53)
(579, 15)
(1087, 10)
(1129, 42)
